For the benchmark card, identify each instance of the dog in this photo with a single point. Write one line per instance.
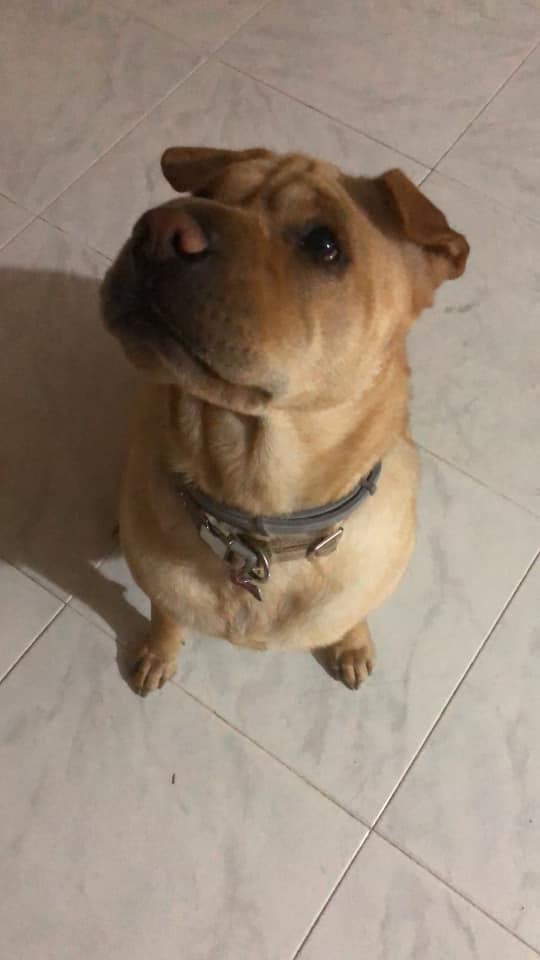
(269, 494)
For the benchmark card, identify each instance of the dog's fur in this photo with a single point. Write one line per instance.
(274, 383)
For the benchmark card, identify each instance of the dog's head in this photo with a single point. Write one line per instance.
(278, 280)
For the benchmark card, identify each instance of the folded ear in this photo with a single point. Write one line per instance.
(188, 168)
(400, 210)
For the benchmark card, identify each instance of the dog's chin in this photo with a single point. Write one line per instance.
(164, 357)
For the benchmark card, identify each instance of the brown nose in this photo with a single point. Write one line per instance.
(174, 232)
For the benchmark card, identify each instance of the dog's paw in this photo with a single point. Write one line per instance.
(351, 660)
(151, 671)
(352, 667)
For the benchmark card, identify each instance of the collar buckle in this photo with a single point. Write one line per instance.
(325, 546)
(249, 564)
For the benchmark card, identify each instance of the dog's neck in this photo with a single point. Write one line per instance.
(287, 459)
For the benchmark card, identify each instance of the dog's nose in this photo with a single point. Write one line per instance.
(172, 232)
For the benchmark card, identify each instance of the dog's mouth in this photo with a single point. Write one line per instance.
(149, 328)
(150, 339)
(164, 331)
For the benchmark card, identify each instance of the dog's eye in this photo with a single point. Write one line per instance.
(321, 244)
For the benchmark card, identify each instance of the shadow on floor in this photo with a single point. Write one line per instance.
(65, 398)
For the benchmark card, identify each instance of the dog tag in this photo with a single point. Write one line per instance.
(242, 580)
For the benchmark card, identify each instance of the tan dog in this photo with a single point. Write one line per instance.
(268, 313)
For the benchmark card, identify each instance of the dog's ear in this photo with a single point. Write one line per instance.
(398, 208)
(188, 169)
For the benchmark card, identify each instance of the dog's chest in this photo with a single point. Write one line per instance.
(294, 592)
(305, 603)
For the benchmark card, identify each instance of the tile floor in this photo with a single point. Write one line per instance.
(254, 810)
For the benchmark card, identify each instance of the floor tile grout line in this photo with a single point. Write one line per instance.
(222, 720)
(131, 15)
(475, 479)
(72, 235)
(339, 804)
(455, 890)
(237, 730)
(20, 206)
(431, 167)
(329, 116)
(373, 827)
(34, 640)
(212, 55)
(255, 13)
(6, 243)
(204, 59)
(495, 94)
(330, 896)
(456, 689)
(369, 830)
(68, 232)
(126, 133)
(65, 603)
(16, 203)
(33, 577)
(501, 205)
(259, 746)
(41, 213)
(208, 53)
(425, 177)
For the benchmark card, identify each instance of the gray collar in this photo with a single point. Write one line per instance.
(294, 524)
(249, 544)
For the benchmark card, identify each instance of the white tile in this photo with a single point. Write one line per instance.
(215, 107)
(476, 355)
(76, 75)
(410, 74)
(356, 746)
(470, 808)
(388, 908)
(12, 219)
(65, 395)
(104, 856)
(499, 153)
(25, 609)
(203, 25)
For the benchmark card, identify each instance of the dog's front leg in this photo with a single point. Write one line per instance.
(155, 660)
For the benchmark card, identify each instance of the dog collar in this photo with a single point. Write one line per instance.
(249, 544)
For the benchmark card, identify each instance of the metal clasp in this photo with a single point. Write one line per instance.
(326, 546)
(249, 564)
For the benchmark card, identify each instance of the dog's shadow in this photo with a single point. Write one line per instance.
(65, 399)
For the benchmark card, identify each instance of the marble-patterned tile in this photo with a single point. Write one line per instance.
(476, 355)
(134, 829)
(398, 911)
(77, 74)
(203, 25)
(356, 746)
(470, 808)
(12, 219)
(499, 153)
(217, 107)
(410, 74)
(25, 609)
(65, 394)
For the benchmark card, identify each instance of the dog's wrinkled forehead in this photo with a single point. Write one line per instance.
(295, 191)
(277, 184)
(272, 178)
